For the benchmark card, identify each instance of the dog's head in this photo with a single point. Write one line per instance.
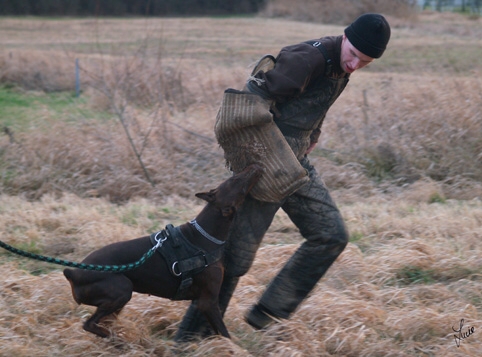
(229, 195)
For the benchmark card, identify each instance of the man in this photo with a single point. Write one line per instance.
(304, 81)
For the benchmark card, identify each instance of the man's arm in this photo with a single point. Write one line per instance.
(295, 66)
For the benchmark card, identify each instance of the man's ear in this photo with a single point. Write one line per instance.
(207, 196)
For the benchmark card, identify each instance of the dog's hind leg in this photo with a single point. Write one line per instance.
(92, 324)
(109, 296)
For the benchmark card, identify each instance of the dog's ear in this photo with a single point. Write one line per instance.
(207, 196)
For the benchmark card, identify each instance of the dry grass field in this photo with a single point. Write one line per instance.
(401, 151)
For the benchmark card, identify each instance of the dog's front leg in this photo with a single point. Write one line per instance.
(209, 282)
(209, 306)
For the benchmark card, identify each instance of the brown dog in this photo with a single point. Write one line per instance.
(184, 279)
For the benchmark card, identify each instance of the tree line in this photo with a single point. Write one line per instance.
(129, 7)
(472, 6)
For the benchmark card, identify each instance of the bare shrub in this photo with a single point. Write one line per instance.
(393, 126)
(37, 70)
(97, 160)
(403, 129)
(159, 141)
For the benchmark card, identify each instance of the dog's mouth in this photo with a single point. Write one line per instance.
(254, 173)
(237, 188)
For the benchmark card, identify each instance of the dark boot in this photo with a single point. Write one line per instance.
(260, 317)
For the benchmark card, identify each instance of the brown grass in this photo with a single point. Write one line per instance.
(413, 114)
(367, 305)
(400, 150)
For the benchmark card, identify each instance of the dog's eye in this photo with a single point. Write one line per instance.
(228, 211)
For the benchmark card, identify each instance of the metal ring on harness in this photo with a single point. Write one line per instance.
(174, 265)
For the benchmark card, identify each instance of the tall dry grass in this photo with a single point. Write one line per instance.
(411, 273)
(400, 151)
(406, 117)
(411, 129)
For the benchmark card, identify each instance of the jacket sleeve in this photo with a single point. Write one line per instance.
(295, 66)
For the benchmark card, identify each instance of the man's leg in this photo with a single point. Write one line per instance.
(313, 211)
(247, 230)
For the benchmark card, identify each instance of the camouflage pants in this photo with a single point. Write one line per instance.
(314, 213)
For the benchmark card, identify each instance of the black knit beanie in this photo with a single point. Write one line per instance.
(369, 34)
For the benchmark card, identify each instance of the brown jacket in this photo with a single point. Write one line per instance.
(297, 65)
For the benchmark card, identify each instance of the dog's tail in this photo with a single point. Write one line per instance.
(69, 274)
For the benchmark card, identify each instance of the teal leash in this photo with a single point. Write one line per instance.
(100, 268)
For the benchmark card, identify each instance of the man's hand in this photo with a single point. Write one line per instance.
(313, 140)
(310, 148)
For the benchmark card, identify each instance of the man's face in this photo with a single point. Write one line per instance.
(351, 59)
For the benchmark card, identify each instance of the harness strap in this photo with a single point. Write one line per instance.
(200, 261)
(324, 52)
(183, 258)
(171, 233)
(192, 266)
(186, 282)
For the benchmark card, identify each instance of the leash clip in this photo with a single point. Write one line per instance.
(159, 241)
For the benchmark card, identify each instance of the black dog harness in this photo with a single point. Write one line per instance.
(184, 259)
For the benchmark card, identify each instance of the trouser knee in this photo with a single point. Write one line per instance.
(239, 259)
(247, 231)
(340, 237)
(333, 235)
